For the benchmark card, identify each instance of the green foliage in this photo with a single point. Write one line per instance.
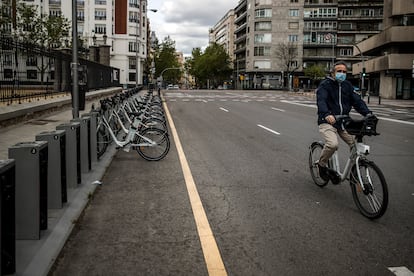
(213, 65)
(165, 57)
(40, 29)
(314, 72)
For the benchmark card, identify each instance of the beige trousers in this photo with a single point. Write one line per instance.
(328, 132)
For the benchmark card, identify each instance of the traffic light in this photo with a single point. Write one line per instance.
(363, 72)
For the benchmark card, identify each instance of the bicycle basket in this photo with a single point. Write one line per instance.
(365, 127)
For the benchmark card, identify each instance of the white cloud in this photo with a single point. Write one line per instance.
(187, 22)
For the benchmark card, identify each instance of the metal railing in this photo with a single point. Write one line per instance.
(47, 74)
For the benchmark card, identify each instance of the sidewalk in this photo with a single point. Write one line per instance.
(35, 257)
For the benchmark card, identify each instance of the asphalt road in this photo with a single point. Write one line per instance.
(248, 154)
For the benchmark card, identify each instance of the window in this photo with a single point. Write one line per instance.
(294, 12)
(31, 74)
(263, 26)
(293, 38)
(345, 52)
(100, 29)
(7, 59)
(262, 64)
(293, 25)
(131, 76)
(345, 26)
(262, 51)
(347, 12)
(264, 2)
(31, 61)
(100, 14)
(132, 63)
(294, 1)
(367, 12)
(133, 17)
(263, 13)
(262, 38)
(134, 3)
(8, 73)
(132, 47)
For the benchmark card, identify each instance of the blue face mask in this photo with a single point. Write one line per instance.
(340, 77)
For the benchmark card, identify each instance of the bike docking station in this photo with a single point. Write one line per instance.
(56, 171)
(31, 188)
(45, 185)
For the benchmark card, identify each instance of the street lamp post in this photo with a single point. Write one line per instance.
(137, 57)
(363, 68)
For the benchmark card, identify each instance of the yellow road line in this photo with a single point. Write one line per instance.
(212, 257)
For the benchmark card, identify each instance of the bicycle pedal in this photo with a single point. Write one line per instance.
(335, 178)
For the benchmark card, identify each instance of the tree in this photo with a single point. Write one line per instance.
(165, 57)
(314, 72)
(212, 66)
(40, 31)
(287, 54)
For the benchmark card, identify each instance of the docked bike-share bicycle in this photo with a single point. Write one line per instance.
(368, 185)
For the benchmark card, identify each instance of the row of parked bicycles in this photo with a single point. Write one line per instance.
(133, 122)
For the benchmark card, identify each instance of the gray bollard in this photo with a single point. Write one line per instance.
(93, 142)
(31, 188)
(73, 167)
(7, 211)
(56, 181)
(85, 153)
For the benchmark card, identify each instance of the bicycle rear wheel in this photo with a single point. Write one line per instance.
(102, 141)
(314, 154)
(372, 199)
(155, 152)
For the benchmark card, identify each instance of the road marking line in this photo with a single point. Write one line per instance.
(212, 257)
(382, 118)
(278, 109)
(225, 110)
(401, 271)
(270, 130)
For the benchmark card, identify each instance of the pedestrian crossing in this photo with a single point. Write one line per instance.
(385, 112)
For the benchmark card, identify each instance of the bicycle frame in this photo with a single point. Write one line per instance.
(359, 150)
(132, 131)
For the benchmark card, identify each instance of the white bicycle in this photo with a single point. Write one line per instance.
(368, 185)
(152, 144)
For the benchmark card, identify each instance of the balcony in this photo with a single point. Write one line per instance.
(240, 50)
(55, 2)
(395, 34)
(240, 28)
(240, 18)
(400, 7)
(240, 39)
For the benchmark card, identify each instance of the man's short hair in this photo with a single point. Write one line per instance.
(340, 62)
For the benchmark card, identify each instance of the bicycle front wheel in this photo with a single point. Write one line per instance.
(314, 154)
(370, 196)
(153, 152)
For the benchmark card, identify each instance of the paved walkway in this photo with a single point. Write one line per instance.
(36, 257)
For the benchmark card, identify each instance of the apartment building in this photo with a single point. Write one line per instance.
(321, 31)
(120, 24)
(391, 66)
(240, 40)
(223, 33)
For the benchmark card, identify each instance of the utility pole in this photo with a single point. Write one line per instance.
(75, 87)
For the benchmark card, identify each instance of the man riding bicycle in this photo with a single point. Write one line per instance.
(335, 96)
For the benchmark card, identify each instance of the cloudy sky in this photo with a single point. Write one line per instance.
(187, 21)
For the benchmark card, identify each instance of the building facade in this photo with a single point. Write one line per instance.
(317, 32)
(391, 63)
(121, 24)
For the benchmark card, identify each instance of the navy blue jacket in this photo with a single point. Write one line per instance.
(335, 98)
